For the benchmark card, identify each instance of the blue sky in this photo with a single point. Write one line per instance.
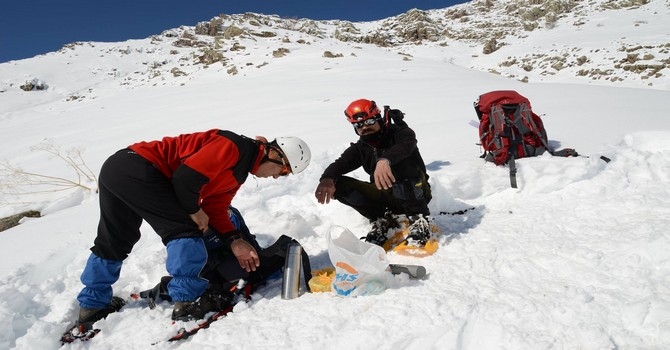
(33, 27)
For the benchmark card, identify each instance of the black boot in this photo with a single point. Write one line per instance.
(87, 317)
(210, 301)
(379, 232)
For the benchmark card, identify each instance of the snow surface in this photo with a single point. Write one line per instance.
(575, 258)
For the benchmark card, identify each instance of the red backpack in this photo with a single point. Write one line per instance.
(509, 130)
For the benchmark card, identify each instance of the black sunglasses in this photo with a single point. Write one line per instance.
(370, 121)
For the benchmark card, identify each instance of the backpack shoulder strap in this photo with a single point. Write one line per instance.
(497, 119)
(527, 115)
(523, 114)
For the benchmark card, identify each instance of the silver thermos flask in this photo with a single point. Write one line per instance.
(291, 282)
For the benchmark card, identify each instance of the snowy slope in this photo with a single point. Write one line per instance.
(576, 258)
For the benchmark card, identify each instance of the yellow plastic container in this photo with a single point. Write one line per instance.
(322, 280)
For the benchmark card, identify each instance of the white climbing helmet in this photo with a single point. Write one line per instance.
(296, 151)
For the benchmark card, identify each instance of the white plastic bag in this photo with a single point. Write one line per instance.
(361, 268)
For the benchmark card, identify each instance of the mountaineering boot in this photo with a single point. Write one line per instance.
(419, 230)
(183, 311)
(210, 301)
(379, 232)
(87, 317)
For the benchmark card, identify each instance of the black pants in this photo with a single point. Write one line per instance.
(409, 196)
(132, 189)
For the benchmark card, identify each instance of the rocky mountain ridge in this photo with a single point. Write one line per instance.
(527, 40)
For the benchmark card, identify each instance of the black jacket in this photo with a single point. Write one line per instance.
(398, 144)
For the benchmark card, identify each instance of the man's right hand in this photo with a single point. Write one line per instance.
(246, 254)
(325, 190)
(201, 219)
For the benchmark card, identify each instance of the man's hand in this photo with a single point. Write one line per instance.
(384, 178)
(325, 190)
(201, 219)
(246, 254)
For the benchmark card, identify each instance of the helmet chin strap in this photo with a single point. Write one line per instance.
(270, 146)
(266, 157)
(266, 151)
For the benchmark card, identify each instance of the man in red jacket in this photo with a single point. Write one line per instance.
(180, 186)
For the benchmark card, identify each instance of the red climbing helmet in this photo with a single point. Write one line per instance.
(361, 110)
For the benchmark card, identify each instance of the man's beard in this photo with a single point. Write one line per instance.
(372, 139)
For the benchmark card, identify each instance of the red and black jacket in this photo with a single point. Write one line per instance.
(206, 169)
